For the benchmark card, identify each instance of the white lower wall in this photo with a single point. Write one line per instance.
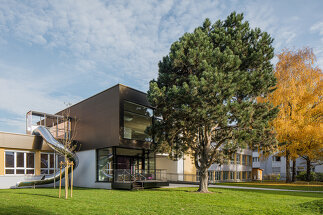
(10, 181)
(85, 173)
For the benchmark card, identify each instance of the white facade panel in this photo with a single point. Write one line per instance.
(85, 173)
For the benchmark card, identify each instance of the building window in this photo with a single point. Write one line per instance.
(276, 169)
(249, 158)
(210, 173)
(136, 119)
(19, 163)
(244, 160)
(238, 175)
(244, 175)
(238, 158)
(225, 175)
(47, 163)
(104, 164)
(232, 159)
(276, 159)
(232, 175)
(217, 176)
(255, 159)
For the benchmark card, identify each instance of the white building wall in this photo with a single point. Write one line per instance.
(268, 166)
(10, 181)
(85, 173)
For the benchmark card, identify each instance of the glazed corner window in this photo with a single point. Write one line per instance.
(47, 163)
(136, 119)
(104, 164)
(19, 163)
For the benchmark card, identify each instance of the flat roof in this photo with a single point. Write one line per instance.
(100, 93)
(38, 113)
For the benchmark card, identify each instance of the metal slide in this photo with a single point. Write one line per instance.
(56, 146)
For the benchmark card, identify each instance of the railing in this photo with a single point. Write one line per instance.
(195, 178)
(127, 175)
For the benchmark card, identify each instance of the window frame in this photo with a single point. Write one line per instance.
(49, 168)
(15, 168)
(122, 124)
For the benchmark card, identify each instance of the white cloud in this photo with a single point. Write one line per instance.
(318, 50)
(20, 96)
(106, 42)
(12, 124)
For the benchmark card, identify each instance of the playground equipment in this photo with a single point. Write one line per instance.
(58, 148)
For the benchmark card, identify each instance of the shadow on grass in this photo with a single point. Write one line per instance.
(291, 186)
(271, 192)
(31, 194)
(22, 210)
(182, 189)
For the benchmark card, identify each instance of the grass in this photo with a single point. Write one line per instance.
(159, 201)
(314, 186)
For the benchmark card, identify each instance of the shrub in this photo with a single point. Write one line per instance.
(313, 177)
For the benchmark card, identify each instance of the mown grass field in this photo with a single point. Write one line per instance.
(159, 201)
(312, 186)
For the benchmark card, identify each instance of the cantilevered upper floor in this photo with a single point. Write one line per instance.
(117, 116)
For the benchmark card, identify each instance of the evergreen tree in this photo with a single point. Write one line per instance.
(206, 93)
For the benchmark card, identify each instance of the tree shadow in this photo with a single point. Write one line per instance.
(272, 192)
(31, 194)
(22, 210)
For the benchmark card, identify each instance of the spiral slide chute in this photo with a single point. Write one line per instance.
(58, 148)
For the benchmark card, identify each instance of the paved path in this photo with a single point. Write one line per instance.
(244, 188)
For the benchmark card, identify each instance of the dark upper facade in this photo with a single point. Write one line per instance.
(117, 116)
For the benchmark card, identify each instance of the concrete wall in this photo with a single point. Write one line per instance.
(85, 173)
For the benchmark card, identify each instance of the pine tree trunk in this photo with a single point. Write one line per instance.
(294, 171)
(287, 167)
(308, 169)
(204, 177)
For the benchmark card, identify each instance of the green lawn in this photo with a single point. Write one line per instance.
(159, 201)
(318, 186)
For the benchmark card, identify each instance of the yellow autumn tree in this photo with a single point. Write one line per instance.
(298, 95)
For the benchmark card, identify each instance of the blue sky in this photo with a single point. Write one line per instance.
(57, 52)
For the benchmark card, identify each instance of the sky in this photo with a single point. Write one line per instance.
(58, 52)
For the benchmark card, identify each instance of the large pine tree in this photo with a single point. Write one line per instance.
(206, 93)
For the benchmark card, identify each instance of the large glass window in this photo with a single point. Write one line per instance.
(136, 120)
(104, 164)
(17, 162)
(47, 163)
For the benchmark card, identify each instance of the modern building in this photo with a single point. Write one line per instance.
(274, 166)
(114, 147)
(23, 156)
(236, 169)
